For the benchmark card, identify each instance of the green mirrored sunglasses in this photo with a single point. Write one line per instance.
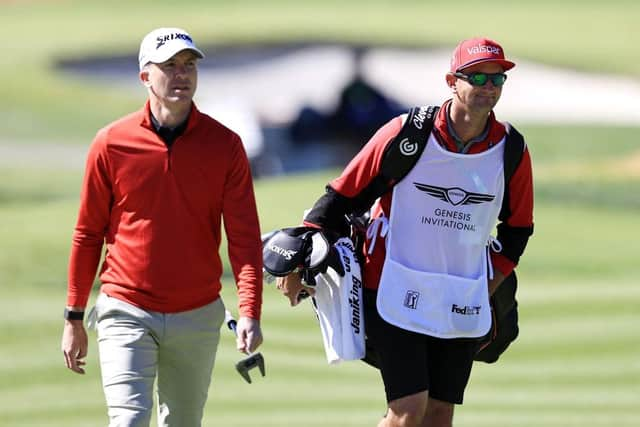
(481, 79)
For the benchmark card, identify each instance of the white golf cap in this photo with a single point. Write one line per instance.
(162, 43)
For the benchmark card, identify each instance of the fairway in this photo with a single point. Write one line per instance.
(576, 362)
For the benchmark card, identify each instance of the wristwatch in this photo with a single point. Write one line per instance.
(73, 315)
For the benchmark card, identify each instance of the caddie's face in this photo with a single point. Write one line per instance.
(477, 98)
(173, 81)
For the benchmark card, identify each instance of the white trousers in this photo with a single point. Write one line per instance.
(136, 346)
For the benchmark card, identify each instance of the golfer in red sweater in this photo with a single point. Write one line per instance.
(157, 186)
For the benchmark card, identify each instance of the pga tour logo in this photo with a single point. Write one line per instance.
(411, 299)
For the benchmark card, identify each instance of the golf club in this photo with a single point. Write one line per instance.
(245, 365)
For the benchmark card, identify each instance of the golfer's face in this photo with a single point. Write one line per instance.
(175, 80)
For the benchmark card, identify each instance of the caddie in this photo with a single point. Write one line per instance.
(430, 262)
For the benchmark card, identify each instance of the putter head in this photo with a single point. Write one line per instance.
(245, 365)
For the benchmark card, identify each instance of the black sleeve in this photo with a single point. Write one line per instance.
(331, 212)
(513, 240)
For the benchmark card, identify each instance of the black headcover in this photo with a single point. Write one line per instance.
(299, 248)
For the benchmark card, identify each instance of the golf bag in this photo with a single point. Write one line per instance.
(334, 274)
(504, 328)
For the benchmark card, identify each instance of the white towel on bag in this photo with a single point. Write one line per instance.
(338, 306)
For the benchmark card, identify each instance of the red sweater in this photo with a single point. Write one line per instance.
(366, 165)
(160, 211)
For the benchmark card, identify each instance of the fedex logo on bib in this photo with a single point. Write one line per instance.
(474, 50)
(466, 310)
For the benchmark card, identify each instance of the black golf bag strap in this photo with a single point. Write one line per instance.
(399, 157)
(402, 154)
(513, 150)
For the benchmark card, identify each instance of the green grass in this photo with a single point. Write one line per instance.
(576, 361)
(574, 364)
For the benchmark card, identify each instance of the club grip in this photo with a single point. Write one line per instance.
(230, 321)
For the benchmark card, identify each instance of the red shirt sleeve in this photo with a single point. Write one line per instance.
(93, 220)
(243, 233)
(366, 164)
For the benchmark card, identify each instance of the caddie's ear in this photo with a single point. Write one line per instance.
(451, 81)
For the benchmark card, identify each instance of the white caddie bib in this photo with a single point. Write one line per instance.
(434, 278)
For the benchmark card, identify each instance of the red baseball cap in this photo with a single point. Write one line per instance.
(474, 51)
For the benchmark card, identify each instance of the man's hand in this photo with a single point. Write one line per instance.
(291, 287)
(74, 345)
(248, 334)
